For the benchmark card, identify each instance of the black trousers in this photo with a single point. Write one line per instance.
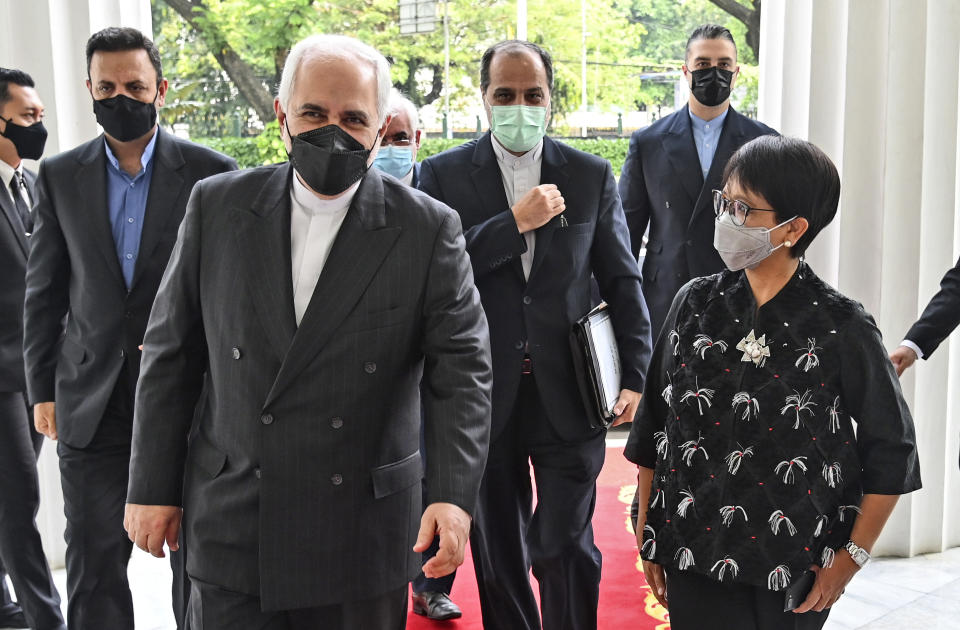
(94, 481)
(701, 603)
(421, 583)
(509, 537)
(216, 608)
(21, 551)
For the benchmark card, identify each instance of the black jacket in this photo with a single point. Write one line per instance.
(535, 316)
(73, 270)
(14, 248)
(663, 188)
(940, 317)
(303, 481)
(758, 472)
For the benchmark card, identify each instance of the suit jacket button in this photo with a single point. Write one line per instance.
(236, 353)
(369, 367)
(256, 471)
(690, 243)
(122, 353)
(527, 299)
(336, 479)
(336, 423)
(266, 418)
(518, 345)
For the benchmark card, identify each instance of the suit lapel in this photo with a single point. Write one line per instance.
(552, 171)
(731, 137)
(13, 219)
(91, 181)
(488, 185)
(165, 188)
(263, 238)
(360, 247)
(681, 151)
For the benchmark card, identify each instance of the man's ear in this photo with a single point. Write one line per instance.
(417, 138)
(162, 92)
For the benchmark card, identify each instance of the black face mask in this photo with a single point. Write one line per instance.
(328, 159)
(29, 140)
(711, 86)
(125, 118)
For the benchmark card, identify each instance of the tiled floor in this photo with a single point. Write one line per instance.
(889, 594)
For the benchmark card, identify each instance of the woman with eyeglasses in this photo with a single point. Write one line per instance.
(761, 501)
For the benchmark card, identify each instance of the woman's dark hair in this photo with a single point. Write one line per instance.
(513, 46)
(794, 176)
(115, 39)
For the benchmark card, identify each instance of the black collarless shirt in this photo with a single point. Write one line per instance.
(748, 420)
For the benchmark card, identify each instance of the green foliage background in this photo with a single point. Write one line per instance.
(633, 46)
(268, 149)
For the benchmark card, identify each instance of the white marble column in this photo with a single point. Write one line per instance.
(47, 39)
(875, 84)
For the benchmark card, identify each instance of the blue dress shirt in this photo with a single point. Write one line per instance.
(706, 134)
(127, 200)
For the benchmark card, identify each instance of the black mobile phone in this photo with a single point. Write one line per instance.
(798, 591)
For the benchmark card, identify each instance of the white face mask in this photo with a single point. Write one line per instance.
(743, 247)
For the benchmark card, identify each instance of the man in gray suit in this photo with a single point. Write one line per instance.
(314, 294)
(107, 214)
(22, 136)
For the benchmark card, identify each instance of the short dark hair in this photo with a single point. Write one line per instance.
(709, 31)
(120, 38)
(794, 176)
(17, 77)
(513, 45)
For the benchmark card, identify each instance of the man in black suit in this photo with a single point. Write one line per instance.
(673, 166)
(539, 219)
(107, 214)
(22, 136)
(315, 294)
(938, 320)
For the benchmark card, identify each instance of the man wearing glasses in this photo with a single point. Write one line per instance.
(401, 141)
(672, 167)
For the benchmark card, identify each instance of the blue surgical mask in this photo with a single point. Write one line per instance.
(393, 160)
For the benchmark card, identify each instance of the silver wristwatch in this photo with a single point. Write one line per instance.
(860, 555)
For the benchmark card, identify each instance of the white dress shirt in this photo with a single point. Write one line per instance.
(314, 224)
(520, 175)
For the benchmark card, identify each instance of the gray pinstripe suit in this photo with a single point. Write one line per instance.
(302, 483)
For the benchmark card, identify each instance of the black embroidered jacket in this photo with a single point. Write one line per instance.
(748, 419)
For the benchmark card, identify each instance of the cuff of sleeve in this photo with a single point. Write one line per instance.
(914, 347)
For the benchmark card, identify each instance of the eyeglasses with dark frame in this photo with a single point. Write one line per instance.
(739, 211)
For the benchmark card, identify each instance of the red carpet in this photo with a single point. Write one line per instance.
(625, 599)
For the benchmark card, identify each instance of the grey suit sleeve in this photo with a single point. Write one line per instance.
(940, 317)
(633, 193)
(618, 278)
(457, 376)
(171, 374)
(492, 243)
(47, 296)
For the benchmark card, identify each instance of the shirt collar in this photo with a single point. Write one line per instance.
(314, 205)
(6, 173)
(700, 124)
(508, 159)
(144, 159)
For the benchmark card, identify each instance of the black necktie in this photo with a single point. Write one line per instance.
(22, 209)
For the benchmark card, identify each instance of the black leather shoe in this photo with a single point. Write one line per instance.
(436, 606)
(16, 620)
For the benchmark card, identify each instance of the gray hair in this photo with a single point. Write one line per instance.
(336, 47)
(399, 103)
